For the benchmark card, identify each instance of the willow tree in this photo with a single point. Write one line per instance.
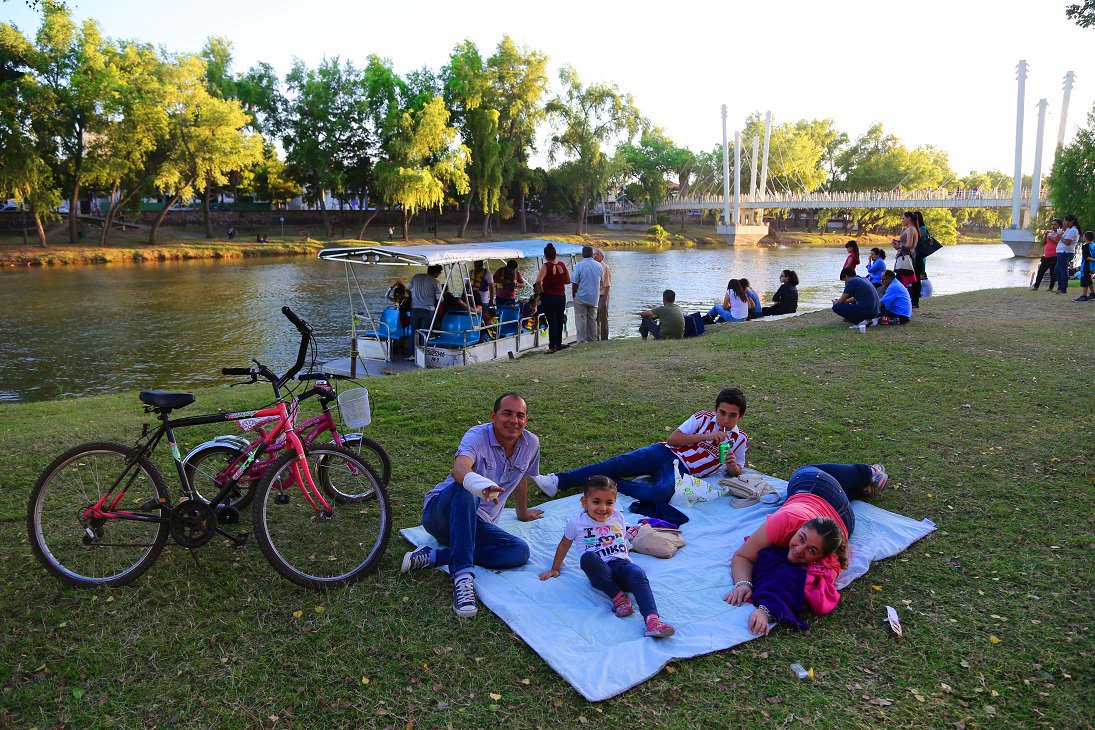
(424, 159)
(586, 119)
(205, 137)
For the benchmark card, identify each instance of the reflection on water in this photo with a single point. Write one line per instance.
(175, 325)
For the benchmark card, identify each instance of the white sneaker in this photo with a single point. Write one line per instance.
(463, 595)
(546, 483)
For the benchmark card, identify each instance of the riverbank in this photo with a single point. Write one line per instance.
(969, 407)
(131, 250)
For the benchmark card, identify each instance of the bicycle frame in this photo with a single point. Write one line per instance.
(106, 506)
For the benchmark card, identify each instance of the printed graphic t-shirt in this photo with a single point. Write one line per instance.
(703, 458)
(607, 539)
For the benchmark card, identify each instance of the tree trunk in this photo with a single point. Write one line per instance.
(154, 231)
(323, 214)
(365, 224)
(41, 230)
(486, 224)
(521, 207)
(73, 213)
(23, 217)
(406, 224)
(206, 217)
(582, 208)
(104, 234)
(467, 212)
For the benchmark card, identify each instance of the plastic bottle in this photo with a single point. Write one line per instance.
(799, 671)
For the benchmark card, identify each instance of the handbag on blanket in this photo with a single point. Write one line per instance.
(657, 541)
(748, 490)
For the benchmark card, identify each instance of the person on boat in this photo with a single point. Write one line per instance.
(551, 281)
(482, 285)
(507, 279)
(665, 322)
(792, 560)
(397, 292)
(425, 292)
(531, 311)
(451, 303)
(694, 445)
(493, 462)
(785, 300)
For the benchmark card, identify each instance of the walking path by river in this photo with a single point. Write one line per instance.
(88, 330)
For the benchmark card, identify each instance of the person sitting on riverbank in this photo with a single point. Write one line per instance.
(792, 560)
(876, 264)
(755, 307)
(694, 444)
(735, 305)
(665, 322)
(895, 306)
(785, 300)
(859, 303)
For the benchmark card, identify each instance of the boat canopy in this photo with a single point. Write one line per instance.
(429, 254)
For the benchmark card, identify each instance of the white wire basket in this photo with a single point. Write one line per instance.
(353, 404)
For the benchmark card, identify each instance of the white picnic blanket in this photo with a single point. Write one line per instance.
(570, 624)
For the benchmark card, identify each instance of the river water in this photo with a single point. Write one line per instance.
(98, 329)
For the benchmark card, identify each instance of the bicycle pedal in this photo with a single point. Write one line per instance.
(239, 540)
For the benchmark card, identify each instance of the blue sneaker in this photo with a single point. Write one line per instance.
(417, 559)
(463, 595)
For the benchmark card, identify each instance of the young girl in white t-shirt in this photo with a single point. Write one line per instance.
(601, 533)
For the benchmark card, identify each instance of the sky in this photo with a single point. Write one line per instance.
(937, 72)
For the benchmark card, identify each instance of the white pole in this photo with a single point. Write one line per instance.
(725, 173)
(1017, 185)
(764, 162)
(737, 178)
(1064, 108)
(753, 178)
(1036, 184)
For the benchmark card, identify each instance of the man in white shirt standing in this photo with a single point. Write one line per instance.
(606, 286)
(585, 286)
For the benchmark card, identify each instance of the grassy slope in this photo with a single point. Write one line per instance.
(978, 409)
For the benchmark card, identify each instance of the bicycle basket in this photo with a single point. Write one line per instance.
(353, 404)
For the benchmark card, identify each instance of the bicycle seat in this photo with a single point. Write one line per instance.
(162, 399)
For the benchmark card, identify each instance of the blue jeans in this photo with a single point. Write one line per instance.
(836, 484)
(620, 575)
(855, 313)
(650, 326)
(1061, 271)
(452, 520)
(722, 312)
(655, 461)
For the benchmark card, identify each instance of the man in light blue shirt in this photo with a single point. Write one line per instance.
(896, 301)
(585, 285)
(493, 461)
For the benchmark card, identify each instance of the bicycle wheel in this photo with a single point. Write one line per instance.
(204, 469)
(96, 552)
(372, 453)
(318, 549)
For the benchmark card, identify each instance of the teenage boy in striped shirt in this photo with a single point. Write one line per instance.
(695, 444)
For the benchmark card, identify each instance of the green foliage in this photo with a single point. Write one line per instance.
(1072, 180)
(652, 161)
(1082, 13)
(660, 234)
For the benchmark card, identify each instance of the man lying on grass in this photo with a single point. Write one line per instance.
(492, 462)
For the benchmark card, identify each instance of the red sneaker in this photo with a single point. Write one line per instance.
(621, 605)
(658, 629)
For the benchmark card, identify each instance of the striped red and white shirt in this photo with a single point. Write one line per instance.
(703, 458)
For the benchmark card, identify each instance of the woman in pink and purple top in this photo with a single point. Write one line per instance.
(792, 560)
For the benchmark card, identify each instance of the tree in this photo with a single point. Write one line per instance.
(324, 128)
(205, 137)
(652, 161)
(586, 119)
(121, 158)
(1072, 179)
(25, 156)
(1082, 13)
(518, 81)
(424, 160)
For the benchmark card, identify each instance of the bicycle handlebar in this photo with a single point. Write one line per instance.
(235, 371)
(266, 373)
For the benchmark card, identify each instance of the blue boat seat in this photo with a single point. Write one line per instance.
(508, 319)
(389, 328)
(457, 330)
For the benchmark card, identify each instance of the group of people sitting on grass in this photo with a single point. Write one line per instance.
(741, 303)
(789, 564)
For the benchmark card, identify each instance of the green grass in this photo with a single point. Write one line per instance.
(980, 409)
